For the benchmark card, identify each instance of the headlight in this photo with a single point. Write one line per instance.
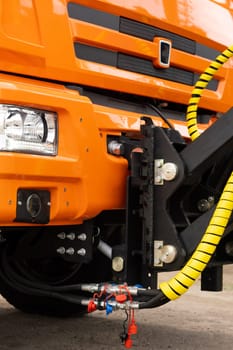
(28, 130)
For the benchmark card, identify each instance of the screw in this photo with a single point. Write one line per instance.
(71, 236)
(82, 236)
(61, 235)
(81, 252)
(61, 250)
(70, 251)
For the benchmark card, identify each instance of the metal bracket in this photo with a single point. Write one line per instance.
(158, 245)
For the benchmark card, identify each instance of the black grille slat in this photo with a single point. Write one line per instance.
(148, 32)
(132, 63)
(90, 15)
(135, 64)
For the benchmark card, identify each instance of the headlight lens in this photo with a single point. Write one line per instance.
(27, 130)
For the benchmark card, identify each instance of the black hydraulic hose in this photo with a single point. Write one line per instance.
(158, 300)
(148, 292)
(33, 284)
(38, 292)
(8, 277)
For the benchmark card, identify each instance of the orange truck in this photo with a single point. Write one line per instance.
(116, 151)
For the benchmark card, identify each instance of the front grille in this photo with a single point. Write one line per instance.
(145, 32)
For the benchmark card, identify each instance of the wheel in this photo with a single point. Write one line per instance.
(31, 284)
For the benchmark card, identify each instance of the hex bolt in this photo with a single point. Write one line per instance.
(82, 237)
(71, 236)
(70, 251)
(61, 250)
(81, 252)
(117, 264)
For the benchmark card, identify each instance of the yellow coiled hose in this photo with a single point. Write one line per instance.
(184, 279)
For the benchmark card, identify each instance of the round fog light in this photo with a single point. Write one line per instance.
(33, 205)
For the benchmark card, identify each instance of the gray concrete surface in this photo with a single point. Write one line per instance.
(199, 320)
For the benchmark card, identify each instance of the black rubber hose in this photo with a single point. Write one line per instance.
(22, 280)
(158, 300)
(16, 285)
(148, 292)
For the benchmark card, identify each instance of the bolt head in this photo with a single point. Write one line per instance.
(117, 264)
(168, 254)
(70, 251)
(61, 250)
(81, 252)
(169, 171)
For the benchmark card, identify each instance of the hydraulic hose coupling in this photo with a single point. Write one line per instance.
(179, 284)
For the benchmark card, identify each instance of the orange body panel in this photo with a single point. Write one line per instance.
(37, 58)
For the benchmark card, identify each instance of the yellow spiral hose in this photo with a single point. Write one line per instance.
(185, 278)
(191, 115)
